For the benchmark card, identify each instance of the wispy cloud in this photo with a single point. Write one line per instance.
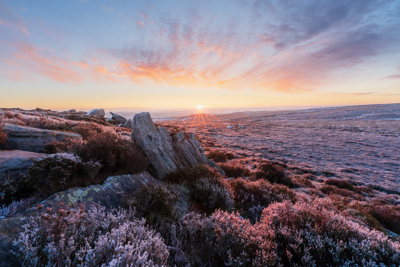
(33, 60)
(292, 47)
(270, 45)
(393, 77)
(10, 19)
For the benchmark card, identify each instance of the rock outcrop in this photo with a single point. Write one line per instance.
(118, 118)
(32, 139)
(14, 163)
(166, 153)
(109, 194)
(128, 124)
(99, 112)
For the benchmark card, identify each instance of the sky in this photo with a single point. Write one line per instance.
(168, 54)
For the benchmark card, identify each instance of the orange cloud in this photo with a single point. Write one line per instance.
(34, 60)
(81, 64)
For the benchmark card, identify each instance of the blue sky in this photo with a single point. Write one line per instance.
(179, 54)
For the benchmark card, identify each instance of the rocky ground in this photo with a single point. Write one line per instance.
(359, 143)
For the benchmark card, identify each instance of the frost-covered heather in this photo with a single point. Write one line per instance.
(74, 237)
(54, 121)
(301, 234)
(16, 207)
(359, 143)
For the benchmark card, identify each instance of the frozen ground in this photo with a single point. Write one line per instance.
(360, 143)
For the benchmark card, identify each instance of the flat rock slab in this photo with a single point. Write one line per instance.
(32, 139)
(14, 163)
(110, 194)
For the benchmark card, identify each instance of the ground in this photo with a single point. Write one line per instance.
(359, 143)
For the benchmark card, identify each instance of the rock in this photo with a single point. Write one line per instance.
(110, 194)
(128, 124)
(14, 163)
(118, 118)
(42, 110)
(72, 111)
(111, 120)
(214, 165)
(97, 112)
(166, 153)
(32, 139)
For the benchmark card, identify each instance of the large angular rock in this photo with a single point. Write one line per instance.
(32, 139)
(109, 194)
(128, 124)
(97, 112)
(118, 118)
(14, 163)
(166, 153)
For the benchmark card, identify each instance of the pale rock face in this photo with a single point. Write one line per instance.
(167, 153)
(97, 112)
(128, 124)
(118, 118)
(32, 139)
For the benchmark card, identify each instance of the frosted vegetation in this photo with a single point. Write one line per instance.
(358, 143)
(266, 210)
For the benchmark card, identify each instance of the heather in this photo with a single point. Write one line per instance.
(76, 237)
(3, 135)
(260, 212)
(287, 234)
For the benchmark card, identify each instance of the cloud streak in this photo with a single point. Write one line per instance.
(292, 48)
(270, 45)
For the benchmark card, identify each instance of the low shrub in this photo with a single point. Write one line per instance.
(302, 182)
(273, 173)
(340, 183)
(68, 145)
(117, 156)
(212, 193)
(333, 190)
(301, 234)
(207, 187)
(190, 175)
(155, 202)
(219, 156)
(251, 197)
(308, 234)
(44, 122)
(223, 239)
(16, 207)
(3, 135)
(235, 170)
(60, 172)
(87, 130)
(74, 237)
(387, 215)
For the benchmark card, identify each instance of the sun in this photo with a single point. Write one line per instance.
(199, 107)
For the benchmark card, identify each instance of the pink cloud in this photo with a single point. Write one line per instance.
(81, 64)
(31, 59)
(140, 24)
